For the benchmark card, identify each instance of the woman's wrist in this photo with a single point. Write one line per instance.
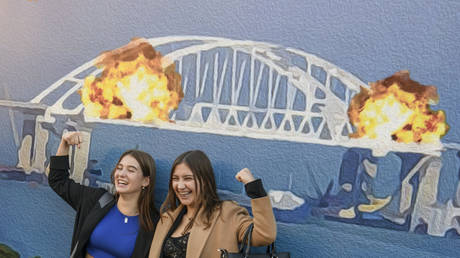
(63, 149)
(255, 189)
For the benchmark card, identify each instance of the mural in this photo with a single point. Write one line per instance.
(365, 159)
(254, 89)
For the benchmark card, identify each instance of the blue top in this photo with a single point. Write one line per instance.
(114, 236)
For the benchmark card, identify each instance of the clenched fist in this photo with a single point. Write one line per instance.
(72, 138)
(245, 176)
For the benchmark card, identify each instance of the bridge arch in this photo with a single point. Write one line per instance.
(239, 87)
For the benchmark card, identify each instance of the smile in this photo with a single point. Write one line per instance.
(122, 182)
(184, 194)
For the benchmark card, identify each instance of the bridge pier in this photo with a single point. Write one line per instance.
(32, 151)
(79, 157)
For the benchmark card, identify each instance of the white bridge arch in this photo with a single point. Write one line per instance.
(247, 88)
(240, 88)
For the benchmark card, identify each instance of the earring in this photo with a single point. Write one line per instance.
(143, 187)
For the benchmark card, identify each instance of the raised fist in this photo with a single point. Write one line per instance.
(72, 138)
(245, 176)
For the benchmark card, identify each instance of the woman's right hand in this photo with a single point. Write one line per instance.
(72, 138)
(245, 176)
(68, 139)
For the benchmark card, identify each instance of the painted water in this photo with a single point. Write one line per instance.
(36, 216)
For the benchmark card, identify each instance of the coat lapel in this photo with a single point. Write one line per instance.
(162, 229)
(199, 236)
(143, 240)
(93, 218)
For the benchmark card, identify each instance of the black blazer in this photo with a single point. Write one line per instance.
(90, 208)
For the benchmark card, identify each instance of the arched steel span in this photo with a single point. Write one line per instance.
(248, 88)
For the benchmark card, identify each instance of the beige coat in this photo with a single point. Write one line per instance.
(226, 230)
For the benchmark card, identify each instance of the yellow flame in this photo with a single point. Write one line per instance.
(397, 113)
(381, 117)
(138, 89)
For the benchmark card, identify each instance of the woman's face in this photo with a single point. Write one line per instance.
(183, 184)
(128, 176)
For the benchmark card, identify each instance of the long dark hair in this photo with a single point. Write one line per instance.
(146, 199)
(208, 200)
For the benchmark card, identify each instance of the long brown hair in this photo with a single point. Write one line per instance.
(146, 199)
(208, 200)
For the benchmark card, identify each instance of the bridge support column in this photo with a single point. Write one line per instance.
(79, 156)
(39, 151)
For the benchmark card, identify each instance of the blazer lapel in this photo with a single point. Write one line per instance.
(163, 227)
(199, 236)
(93, 218)
(143, 240)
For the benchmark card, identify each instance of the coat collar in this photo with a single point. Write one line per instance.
(163, 227)
(199, 235)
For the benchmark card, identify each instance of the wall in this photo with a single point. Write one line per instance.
(42, 41)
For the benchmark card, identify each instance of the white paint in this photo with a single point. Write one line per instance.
(270, 56)
(285, 200)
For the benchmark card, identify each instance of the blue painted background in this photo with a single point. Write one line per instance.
(41, 41)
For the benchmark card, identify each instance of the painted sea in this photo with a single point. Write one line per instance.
(315, 174)
(34, 207)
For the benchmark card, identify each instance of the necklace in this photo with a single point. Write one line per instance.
(188, 225)
(126, 217)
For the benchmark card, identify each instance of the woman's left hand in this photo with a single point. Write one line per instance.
(245, 176)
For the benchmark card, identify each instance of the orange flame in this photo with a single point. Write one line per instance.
(133, 85)
(397, 108)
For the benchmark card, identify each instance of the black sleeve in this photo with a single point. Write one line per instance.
(255, 189)
(58, 179)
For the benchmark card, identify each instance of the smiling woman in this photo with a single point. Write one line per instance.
(128, 177)
(195, 222)
(129, 217)
(184, 185)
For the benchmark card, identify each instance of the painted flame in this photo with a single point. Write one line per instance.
(133, 85)
(397, 108)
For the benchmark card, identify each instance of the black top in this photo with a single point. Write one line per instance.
(85, 201)
(176, 247)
